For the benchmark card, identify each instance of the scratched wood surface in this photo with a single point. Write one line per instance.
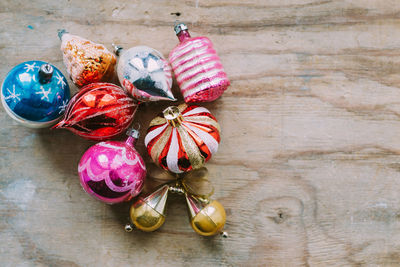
(309, 164)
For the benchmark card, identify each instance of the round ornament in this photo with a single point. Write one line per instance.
(113, 171)
(86, 61)
(35, 94)
(197, 67)
(144, 73)
(99, 111)
(182, 138)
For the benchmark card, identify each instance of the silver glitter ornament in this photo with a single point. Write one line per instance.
(144, 73)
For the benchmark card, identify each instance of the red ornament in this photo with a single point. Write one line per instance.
(183, 138)
(99, 111)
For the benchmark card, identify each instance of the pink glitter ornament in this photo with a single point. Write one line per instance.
(197, 67)
(113, 171)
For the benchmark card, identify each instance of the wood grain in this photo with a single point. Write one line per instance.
(308, 168)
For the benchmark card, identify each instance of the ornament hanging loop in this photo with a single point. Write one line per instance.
(133, 135)
(128, 227)
(224, 234)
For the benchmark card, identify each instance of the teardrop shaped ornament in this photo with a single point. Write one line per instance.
(145, 73)
(206, 218)
(86, 61)
(99, 111)
(147, 214)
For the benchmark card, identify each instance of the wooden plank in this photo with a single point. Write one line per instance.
(308, 167)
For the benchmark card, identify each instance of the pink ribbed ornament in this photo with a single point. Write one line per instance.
(197, 67)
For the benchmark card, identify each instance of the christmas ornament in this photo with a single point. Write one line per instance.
(197, 67)
(144, 73)
(183, 138)
(113, 171)
(207, 217)
(147, 214)
(86, 61)
(99, 111)
(35, 94)
(179, 141)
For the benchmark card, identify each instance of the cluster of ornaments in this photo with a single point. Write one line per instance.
(179, 141)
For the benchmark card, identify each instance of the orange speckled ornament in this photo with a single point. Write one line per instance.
(86, 61)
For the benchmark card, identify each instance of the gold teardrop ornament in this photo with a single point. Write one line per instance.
(147, 214)
(206, 219)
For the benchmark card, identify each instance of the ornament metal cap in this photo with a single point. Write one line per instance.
(45, 73)
(147, 214)
(133, 135)
(117, 49)
(195, 205)
(158, 199)
(134, 131)
(173, 115)
(179, 26)
(61, 32)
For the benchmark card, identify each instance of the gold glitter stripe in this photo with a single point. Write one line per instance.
(158, 147)
(182, 107)
(191, 148)
(157, 121)
(204, 120)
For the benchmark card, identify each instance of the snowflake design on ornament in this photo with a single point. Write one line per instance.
(44, 93)
(30, 67)
(12, 95)
(60, 80)
(63, 106)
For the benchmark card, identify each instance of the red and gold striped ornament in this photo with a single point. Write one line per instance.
(183, 138)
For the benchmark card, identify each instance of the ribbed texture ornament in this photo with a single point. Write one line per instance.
(197, 67)
(99, 111)
(183, 138)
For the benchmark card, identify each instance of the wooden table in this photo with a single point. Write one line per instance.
(309, 164)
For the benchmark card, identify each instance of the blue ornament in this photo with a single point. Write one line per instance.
(35, 94)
